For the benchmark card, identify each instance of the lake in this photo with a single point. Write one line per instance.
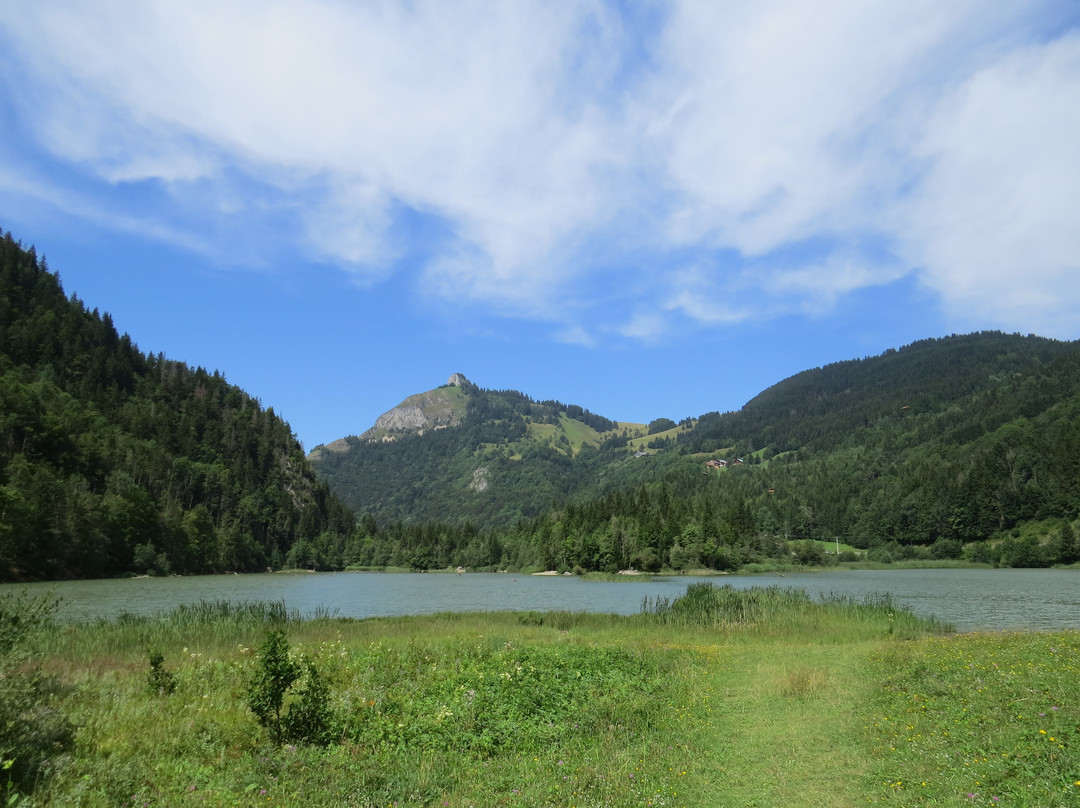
(969, 599)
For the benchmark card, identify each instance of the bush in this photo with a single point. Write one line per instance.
(160, 681)
(308, 718)
(946, 548)
(660, 425)
(1023, 553)
(148, 561)
(809, 554)
(32, 732)
(979, 552)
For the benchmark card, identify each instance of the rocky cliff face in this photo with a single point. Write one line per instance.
(436, 409)
(423, 411)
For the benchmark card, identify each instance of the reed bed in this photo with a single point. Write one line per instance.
(782, 611)
(214, 623)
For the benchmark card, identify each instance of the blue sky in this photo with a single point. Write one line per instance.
(648, 209)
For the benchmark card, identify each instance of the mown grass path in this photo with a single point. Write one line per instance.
(785, 726)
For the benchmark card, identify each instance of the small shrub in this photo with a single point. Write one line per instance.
(32, 732)
(159, 680)
(275, 676)
(309, 717)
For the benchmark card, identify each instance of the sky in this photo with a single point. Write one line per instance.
(649, 209)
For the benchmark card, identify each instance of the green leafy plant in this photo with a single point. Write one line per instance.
(32, 732)
(308, 717)
(159, 680)
(273, 679)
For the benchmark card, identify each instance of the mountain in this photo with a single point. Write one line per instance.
(435, 409)
(966, 445)
(465, 454)
(113, 461)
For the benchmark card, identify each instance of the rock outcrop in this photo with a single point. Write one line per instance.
(436, 409)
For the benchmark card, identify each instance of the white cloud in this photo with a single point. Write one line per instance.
(818, 288)
(558, 143)
(995, 222)
(712, 296)
(777, 116)
(575, 335)
(645, 325)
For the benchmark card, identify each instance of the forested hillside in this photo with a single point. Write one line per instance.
(509, 458)
(967, 446)
(113, 461)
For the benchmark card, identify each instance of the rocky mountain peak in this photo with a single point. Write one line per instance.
(436, 409)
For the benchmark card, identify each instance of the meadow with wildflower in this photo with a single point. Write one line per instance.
(980, 720)
(760, 698)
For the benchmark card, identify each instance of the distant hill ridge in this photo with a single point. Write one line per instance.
(919, 426)
(114, 462)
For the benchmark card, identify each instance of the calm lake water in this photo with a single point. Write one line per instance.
(969, 599)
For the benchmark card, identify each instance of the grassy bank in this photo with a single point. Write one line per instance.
(761, 697)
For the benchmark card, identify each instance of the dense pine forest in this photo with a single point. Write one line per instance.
(113, 461)
(962, 447)
(117, 462)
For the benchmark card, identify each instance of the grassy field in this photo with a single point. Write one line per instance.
(759, 697)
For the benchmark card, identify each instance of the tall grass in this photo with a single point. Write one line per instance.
(778, 611)
(211, 622)
(721, 697)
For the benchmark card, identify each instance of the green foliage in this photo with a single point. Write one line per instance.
(480, 709)
(308, 718)
(275, 676)
(114, 462)
(978, 720)
(146, 560)
(964, 447)
(779, 609)
(661, 425)
(159, 680)
(527, 454)
(32, 731)
(478, 700)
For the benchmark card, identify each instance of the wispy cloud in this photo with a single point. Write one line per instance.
(556, 144)
(993, 223)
